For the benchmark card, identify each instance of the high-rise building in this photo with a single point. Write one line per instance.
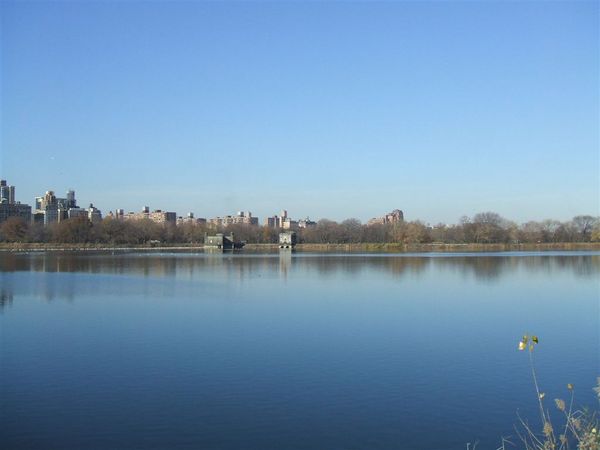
(158, 216)
(47, 206)
(396, 216)
(242, 218)
(94, 214)
(7, 193)
(306, 223)
(46, 200)
(71, 202)
(54, 209)
(191, 219)
(77, 212)
(163, 217)
(9, 207)
(8, 210)
(285, 222)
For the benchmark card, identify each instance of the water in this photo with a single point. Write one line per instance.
(195, 351)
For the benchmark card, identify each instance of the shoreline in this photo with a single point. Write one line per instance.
(342, 248)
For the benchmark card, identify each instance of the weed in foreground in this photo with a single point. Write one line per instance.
(577, 429)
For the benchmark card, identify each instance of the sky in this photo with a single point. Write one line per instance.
(326, 109)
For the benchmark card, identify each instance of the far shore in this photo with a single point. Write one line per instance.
(342, 248)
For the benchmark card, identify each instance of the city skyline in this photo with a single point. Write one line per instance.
(330, 110)
(170, 215)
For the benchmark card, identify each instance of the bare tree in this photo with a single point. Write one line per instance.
(14, 229)
(76, 230)
(584, 225)
(489, 227)
(351, 230)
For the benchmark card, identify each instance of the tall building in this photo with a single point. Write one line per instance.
(47, 208)
(286, 223)
(277, 221)
(191, 219)
(9, 207)
(395, 216)
(306, 223)
(77, 212)
(164, 217)
(48, 199)
(15, 210)
(51, 209)
(7, 193)
(94, 214)
(158, 216)
(71, 203)
(243, 218)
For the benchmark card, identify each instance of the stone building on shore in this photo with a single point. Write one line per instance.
(396, 216)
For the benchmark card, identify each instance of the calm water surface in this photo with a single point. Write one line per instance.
(303, 351)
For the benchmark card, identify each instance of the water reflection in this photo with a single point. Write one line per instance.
(482, 266)
(285, 263)
(190, 273)
(174, 347)
(6, 296)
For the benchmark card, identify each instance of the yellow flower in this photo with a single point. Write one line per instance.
(521, 345)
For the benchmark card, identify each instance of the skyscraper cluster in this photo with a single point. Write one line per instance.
(9, 207)
(52, 209)
(48, 208)
(283, 221)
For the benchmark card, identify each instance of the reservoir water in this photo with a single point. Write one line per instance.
(302, 351)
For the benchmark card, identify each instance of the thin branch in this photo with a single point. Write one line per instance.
(537, 388)
(530, 432)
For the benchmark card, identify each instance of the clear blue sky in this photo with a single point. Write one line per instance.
(336, 110)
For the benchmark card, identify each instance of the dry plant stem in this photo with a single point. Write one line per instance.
(504, 442)
(567, 423)
(551, 437)
(580, 428)
(574, 429)
(537, 388)
(532, 436)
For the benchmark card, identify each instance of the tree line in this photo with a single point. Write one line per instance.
(482, 228)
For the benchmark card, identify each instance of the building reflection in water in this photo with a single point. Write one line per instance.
(285, 263)
(174, 268)
(6, 297)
